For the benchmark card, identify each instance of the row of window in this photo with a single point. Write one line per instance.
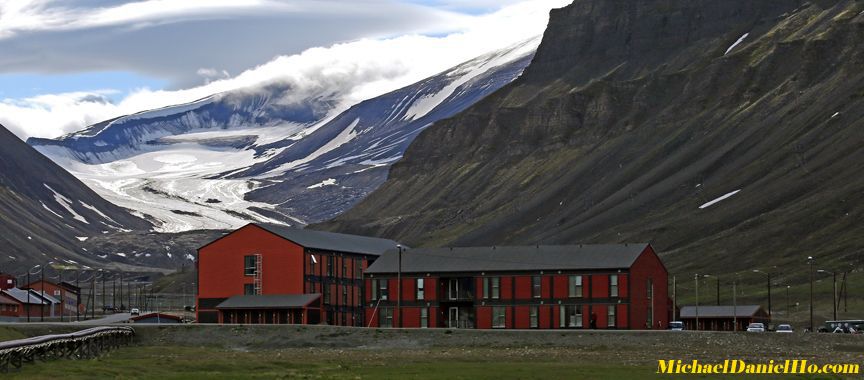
(381, 291)
(570, 317)
(492, 288)
(331, 266)
(385, 317)
(12, 308)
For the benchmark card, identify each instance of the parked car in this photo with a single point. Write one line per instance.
(108, 308)
(785, 329)
(756, 327)
(676, 326)
(135, 311)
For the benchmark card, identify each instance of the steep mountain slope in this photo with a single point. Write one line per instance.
(46, 213)
(245, 156)
(727, 133)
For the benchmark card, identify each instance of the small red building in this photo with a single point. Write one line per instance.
(64, 293)
(10, 308)
(275, 274)
(28, 302)
(621, 286)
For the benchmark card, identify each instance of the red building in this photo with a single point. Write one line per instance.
(7, 281)
(274, 274)
(10, 308)
(64, 293)
(28, 302)
(620, 286)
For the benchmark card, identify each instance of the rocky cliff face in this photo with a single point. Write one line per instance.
(727, 133)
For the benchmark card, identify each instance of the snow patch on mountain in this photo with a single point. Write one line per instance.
(67, 204)
(326, 182)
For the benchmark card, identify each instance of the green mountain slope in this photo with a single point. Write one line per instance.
(632, 116)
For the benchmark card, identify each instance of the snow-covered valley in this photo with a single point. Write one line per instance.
(231, 159)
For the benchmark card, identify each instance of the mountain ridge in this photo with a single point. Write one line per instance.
(614, 135)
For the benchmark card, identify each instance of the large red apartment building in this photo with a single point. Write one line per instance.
(621, 286)
(274, 274)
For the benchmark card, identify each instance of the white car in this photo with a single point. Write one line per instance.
(135, 311)
(756, 327)
(785, 329)
(676, 326)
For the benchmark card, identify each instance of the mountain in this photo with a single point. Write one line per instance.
(242, 156)
(46, 213)
(728, 134)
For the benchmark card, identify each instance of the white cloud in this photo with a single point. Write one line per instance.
(355, 70)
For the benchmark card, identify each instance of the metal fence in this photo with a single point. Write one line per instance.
(84, 344)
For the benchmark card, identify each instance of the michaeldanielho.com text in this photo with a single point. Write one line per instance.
(736, 366)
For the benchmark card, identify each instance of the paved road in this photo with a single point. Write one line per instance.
(108, 319)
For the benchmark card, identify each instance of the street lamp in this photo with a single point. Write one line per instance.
(29, 272)
(696, 279)
(399, 286)
(834, 297)
(770, 315)
(810, 263)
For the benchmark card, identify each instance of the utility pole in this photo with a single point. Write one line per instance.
(810, 263)
(734, 306)
(834, 301)
(718, 290)
(62, 294)
(696, 278)
(674, 299)
(42, 309)
(399, 286)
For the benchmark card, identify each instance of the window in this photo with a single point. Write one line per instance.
(344, 294)
(330, 265)
(326, 289)
(536, 286)
(248, 289)
(358, 269)
(650, 289)
(491, 287)
(534, 311)
(610, 316)
(420, 289)
(499, 317)
(344, 267)
(571, 316)
(385, 318)
(613, 285)
(249, 265)
(575, 287)
(56, 292)
(379, 290)
(312, 261)
(424, 318)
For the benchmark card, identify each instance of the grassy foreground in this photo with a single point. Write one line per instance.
(155, 362)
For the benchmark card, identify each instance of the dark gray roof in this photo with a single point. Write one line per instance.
(20, 295)
(331, 241)
(501, 259)
(268, 301)
(719, 311)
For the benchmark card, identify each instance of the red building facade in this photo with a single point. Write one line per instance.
(252, 271)
(542, 287)
(68, 295)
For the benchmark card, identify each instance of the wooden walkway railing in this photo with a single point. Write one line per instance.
(84, 344)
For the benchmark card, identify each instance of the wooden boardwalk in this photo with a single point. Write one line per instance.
(84, 344)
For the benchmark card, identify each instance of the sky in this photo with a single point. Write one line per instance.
(66, 64)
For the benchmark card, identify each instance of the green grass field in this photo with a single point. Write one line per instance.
(154, 362)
